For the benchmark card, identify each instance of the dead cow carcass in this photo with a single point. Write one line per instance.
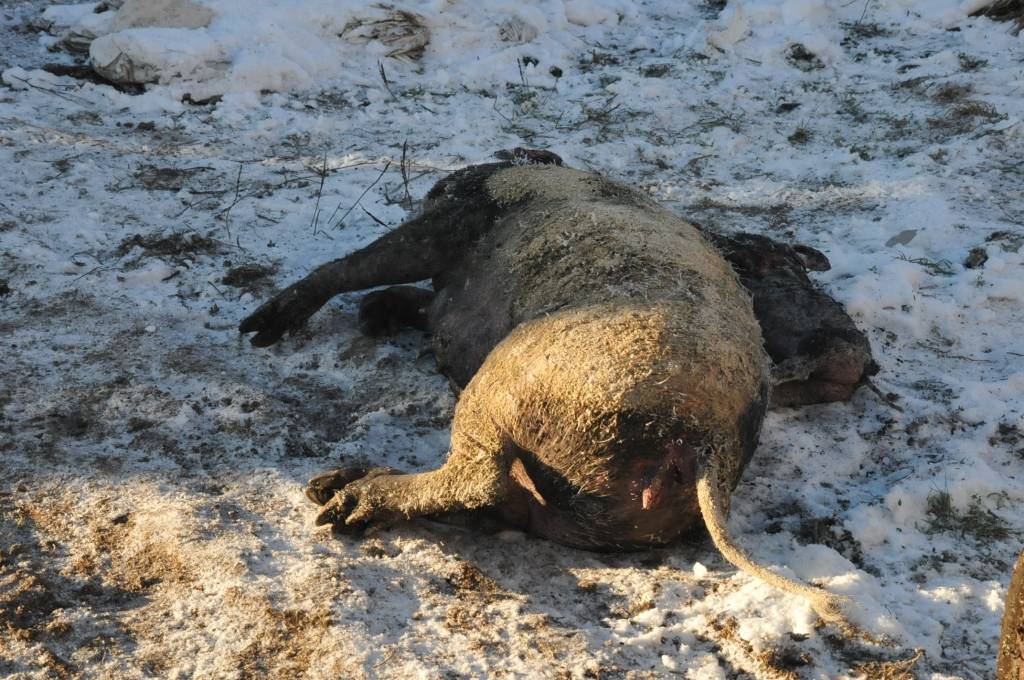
(612, 369)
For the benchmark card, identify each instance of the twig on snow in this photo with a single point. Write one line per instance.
(95, 270)
(867, 5)
(387, 657)
(227, 211)
(319, 192)
(341, 220)
(74, 99)
(214, 286)
(887, 399)
(394, 97)
(384, 79)
(375, 218)
(407, 199)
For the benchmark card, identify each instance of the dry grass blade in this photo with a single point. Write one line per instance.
(322, 172)
(63, 95)
(387, 86)
(407, 199)
(977, 521)
(384, 79)
(341, 220)
(235, 201)
(902, 669)
(405, 32)
(375, 218)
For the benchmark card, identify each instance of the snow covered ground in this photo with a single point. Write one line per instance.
(152, 521)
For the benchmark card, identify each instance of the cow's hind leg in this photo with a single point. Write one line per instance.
(476, 475)
(385, 312)
(321, 489)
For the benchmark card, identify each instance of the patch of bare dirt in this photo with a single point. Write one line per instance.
(156, 178)
(177, 245)
(250, 277)
(283, 643)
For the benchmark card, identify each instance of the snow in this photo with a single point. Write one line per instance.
(151, 514)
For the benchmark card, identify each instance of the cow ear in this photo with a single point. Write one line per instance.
(812, 258)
